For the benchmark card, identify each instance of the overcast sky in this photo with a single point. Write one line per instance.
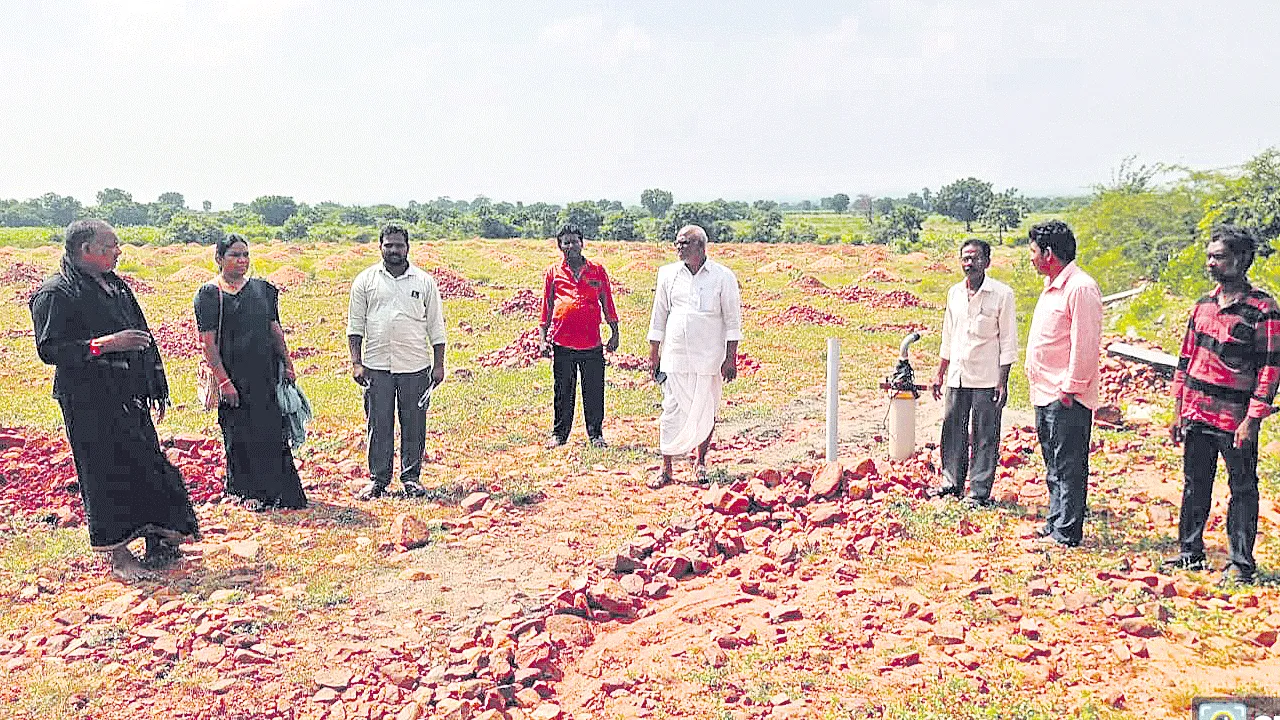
(397, 100)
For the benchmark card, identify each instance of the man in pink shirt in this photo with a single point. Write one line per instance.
(1063, 349)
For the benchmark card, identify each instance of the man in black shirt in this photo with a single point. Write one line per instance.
(109, 379)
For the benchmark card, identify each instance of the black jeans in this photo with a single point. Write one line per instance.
(1064, 441)
(967, 408)
(1202, 445)
(386, 394)
(566, 365)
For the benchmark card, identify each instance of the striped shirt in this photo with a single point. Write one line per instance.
(1229, 366)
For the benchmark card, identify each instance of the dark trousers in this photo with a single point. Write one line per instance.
(970, 414)
(566, 365)
(1064, 440)
(1202, 446)
(387, 395)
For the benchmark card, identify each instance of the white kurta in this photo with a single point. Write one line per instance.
(693, 316)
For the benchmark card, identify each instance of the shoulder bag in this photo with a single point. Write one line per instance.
(206, 383)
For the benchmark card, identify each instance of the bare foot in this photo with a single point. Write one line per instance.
(126, 567)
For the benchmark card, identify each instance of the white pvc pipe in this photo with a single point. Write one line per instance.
(833, 396)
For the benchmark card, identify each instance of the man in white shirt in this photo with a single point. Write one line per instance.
(395, 332)
(693, 348)
(979, 345)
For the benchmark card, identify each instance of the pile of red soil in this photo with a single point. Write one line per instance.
(893, 299)
(21, 273)
(624, 361)
(524, 302)
(178, 339)
(803, 315)
(807, 282)
(521, 352)
(452, 285)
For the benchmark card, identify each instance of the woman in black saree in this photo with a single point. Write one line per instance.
(239, 322)
(109, 380)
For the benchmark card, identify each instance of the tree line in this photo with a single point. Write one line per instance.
(657, 216)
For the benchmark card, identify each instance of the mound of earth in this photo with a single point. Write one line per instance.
(192, 274)
(878, 299)
(287, 277)
(523, 302)
(178, 338)
(521, 352)
(880, 275)
(827, 262)
(22, 273)
(803, 315)
(775, 267)
(807, 282)
(452, 285)
(137, 285)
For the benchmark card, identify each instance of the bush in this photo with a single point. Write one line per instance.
(188, 227)
(295, 228)
(621, 226)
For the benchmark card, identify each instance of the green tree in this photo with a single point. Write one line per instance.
(1252, 199)
(1004, 212)
(274, 209)
(585, 215)
(883, 206)
(840, 202)
(356, 215)
(1125, 235)
(766, 227)
(866, 205)
(703, 215)
(189, 227)
(206, 206)
(963, 200)
(172, 199)
(657, 202)
(296, 227)
(623, 225)
(113, 196)
(58, 209)
(900, 228)
(126, 213)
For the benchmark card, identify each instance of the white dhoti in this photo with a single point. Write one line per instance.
(689, 404)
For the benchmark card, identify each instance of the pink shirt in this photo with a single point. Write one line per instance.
(1065, 342)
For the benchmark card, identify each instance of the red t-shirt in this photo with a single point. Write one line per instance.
(572, 306)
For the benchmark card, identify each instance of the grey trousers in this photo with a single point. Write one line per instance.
(970, 440)
(387, 395)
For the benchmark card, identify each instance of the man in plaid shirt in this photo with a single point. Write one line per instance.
(1224, 386)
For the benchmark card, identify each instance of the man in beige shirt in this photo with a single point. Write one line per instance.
(979, 345)
(396, 336)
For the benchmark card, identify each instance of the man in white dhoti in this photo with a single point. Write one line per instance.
(693, 348)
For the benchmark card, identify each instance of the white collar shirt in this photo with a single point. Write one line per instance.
(979, 334)
(694, 315)
(400, 319)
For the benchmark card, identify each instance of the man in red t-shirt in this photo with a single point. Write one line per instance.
(575, 293)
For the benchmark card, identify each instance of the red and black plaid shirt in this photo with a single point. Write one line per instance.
(1229, 366)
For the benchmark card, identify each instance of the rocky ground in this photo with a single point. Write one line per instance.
(541, 584)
